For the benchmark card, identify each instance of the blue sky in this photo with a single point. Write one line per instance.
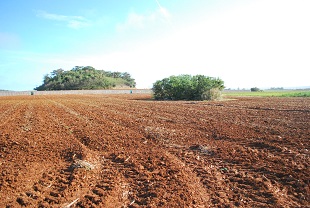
(247, 43)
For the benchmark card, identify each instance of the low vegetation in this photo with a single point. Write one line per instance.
(269, 93)
(187, 87)
(85, 78)
(296, 94)
(255, 89)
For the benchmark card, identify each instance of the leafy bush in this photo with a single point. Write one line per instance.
(187, 87)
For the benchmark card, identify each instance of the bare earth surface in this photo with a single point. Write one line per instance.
(129, 151)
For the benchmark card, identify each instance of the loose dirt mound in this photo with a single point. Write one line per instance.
(129, 151)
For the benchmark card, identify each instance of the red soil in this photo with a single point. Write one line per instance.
(127, 151)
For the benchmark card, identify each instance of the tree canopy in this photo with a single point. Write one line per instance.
(255, 89)
(85, 77)
(186, 87)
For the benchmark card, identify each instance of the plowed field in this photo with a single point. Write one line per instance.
(130, 151)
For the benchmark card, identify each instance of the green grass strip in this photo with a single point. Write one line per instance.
(267, 93)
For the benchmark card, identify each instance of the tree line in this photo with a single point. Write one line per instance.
(85, 78)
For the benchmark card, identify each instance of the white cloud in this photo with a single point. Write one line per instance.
(163, 10)
(74, 22)
(141, 21)
(165, 13)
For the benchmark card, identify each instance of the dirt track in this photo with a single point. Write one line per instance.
(128, 151)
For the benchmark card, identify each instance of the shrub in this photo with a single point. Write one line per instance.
(255, 89)
(187, 87)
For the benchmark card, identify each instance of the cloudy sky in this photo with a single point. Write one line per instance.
(247, 43)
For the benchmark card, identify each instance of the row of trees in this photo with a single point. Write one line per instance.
(182, 87)
(81, 78)
(187, 87)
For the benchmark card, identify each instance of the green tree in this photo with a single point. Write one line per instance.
(255, 89)
(187, 87)
(57, 72)
(87, 77)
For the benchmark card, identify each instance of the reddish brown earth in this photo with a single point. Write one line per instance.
(130, 151)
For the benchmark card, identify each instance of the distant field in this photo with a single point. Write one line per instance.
(269, 93)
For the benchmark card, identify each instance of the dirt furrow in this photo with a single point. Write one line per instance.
(130, 144)
(130, 151)
(254, 145)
